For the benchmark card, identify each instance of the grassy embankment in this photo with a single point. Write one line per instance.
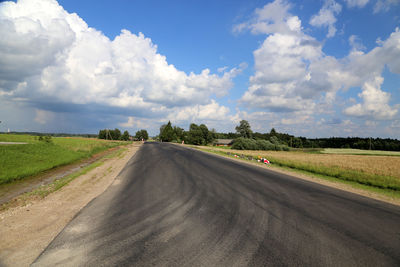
(376, 171)
(45, 190)
(19, 161)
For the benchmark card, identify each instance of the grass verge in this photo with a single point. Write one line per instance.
(45, 190)
(20, 161)
(383, 185)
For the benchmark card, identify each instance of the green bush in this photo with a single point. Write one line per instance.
(242, 143)
(265, 145)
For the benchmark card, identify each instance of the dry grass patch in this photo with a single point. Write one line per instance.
(380, 165)
(377, 171)
(351, 151)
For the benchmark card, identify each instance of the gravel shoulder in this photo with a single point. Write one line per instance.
(26, 231)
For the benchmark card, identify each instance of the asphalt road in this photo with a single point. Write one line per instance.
(173, 206)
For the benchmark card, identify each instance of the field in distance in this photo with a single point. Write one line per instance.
(19, 161)
(350, 151)
(377, 170)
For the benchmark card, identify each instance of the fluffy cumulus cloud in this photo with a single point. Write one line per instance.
(366, 70)
(327, 17)
(273, 17)
(51, 58)
(375, 102)
(288, 75)
(282, 79)
(295, 77)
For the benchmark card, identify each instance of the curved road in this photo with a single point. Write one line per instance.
(174, 206)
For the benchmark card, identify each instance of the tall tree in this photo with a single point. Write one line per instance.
(167, 133)
(207, 135)
(102, 134)
(125, 136)
(272, 132)
(142, 134)
(179, 133)
(244, 129)
(116, 134)
(195, 135)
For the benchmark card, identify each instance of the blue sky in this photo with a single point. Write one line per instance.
(309, 68)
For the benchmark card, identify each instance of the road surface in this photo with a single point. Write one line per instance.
(174, 206)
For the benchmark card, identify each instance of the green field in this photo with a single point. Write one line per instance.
(19, 161)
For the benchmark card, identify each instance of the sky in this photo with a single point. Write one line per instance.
(308, 68)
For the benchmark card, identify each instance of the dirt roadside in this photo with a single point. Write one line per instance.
(18, 187)
(25, 231)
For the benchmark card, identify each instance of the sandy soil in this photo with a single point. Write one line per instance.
(26, 231)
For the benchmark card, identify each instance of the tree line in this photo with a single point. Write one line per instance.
(245, 138)
(116, 135)
(197, 134)
(291, 141)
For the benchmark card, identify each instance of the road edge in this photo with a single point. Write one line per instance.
(27, 230)
(338, 184)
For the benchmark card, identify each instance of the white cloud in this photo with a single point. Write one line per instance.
(366, 71)
(293, 75)
(376, 102)
(212, 111)
(134, 123)
(355, 43)
(129, 124)
(359, 67)
(273, 17)
(289, 67)
(356, 3)
(385, 5)
(48, 55)
(326, 17)
(302, 119)
(260, 121)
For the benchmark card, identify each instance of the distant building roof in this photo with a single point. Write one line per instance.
(223, 141)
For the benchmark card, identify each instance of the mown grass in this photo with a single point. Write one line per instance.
(19, 161)
(374, 171)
